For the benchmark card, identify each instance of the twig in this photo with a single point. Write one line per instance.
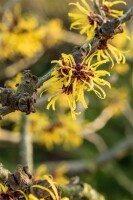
(127, 16)
(44, 78)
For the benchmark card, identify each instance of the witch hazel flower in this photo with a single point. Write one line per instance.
(74, 79)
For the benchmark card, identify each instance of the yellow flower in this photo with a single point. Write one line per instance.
(73, 79)
(108, 11)
(87, 20)
(108, 51)
(84, 19)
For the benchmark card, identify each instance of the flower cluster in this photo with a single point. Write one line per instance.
(73, 79)
(74, 76)
(87, 20)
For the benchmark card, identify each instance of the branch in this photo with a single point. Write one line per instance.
(108, 29)
(117, 152)
(82, 166)
(20, 65)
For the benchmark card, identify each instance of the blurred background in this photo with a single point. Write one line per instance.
(98, 146)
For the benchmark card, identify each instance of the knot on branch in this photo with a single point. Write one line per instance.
(109, 29)
(19, 179)
(23, 98)
(3, 173)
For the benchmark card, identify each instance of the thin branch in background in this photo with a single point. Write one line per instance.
(25, 63)
(99, 122)
(120, 151)
(122, 179)
(117, 152)
(20, 65)
(72, 38)
(128, 113)
(97, 140)
(26, 147)
(10, 4)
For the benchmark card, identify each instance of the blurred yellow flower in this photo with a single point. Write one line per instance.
(118, 99)
(23, 34)
(73, 79)
(122, 68)
(60, 132)
(48, 132)
(122, 40)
